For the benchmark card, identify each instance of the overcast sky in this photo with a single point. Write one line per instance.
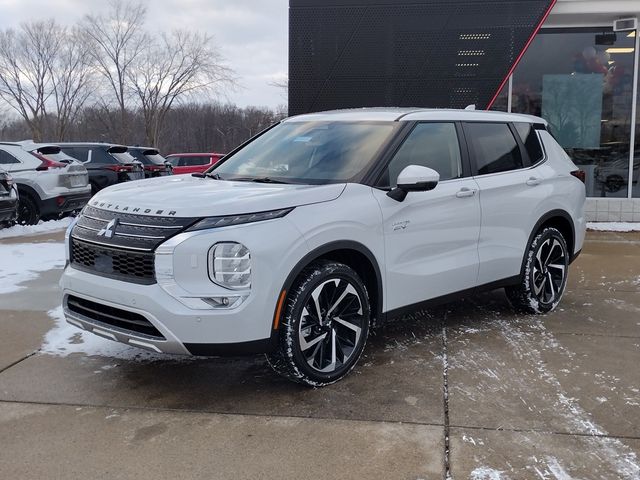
(252, 34)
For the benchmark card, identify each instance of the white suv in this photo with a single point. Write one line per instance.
(48, 188)
(327, 224)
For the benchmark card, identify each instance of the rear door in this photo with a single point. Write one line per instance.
(431, 238)
(511, 191)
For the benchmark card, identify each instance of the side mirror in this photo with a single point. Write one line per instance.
(414, 178)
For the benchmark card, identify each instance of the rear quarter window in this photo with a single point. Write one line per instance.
(530, 140)
(6, 158)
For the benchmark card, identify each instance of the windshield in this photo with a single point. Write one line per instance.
(124, 157)
(61, 157)
(156, 159)
(148, 159)
(309, 152)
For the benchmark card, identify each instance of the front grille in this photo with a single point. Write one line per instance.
(121, 245)
(136, 267)
(133, 231)
(129, 322)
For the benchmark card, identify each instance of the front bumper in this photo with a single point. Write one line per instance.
(175, 306)
(182, 330)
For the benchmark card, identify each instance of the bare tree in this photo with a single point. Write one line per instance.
(26, 60)
(179, 66)
(116, 40)
(73, 82)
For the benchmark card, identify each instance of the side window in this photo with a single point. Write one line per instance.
(531, 141)
(433, 145)
(494, 147)
(6, 158)
(195, 161)
(99, 155)
(77, 153)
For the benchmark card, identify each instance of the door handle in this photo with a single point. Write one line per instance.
(533, 181)
(465, 192)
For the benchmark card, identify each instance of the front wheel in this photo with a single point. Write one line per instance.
(324, 327)
(545, 274)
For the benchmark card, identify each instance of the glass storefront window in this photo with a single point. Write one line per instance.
(635, 190)
(581, 82)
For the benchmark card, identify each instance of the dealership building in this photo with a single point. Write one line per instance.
(573, 62)
(582, 77)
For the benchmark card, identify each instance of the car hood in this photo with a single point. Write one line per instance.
(187, 196)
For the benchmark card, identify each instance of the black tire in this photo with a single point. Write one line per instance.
(338, 291)
(28, 211)
(94, 188)
(545, 274)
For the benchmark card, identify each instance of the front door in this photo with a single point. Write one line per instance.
(431, 238)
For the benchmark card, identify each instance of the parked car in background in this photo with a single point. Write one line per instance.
(8, 199)
(154, 164)
(107, 163)
(48, 189)
(51, 151)
(193, 162)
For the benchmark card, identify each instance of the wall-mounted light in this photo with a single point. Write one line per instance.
(621, 50)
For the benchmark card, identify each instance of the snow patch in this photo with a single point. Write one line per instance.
(41, 228)
(64, 339)
(23, 261)
(486, 473)
(614, 226)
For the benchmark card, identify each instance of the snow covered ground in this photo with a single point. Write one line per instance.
(22, 262)
(42, 227)
(614, 226)
(64, 339)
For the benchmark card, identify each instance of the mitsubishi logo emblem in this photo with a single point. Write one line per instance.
(109, 230)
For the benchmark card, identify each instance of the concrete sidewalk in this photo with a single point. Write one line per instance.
(470, 387)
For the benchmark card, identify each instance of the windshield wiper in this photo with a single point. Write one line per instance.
(257, 180)
(215, 176)
(266, 180)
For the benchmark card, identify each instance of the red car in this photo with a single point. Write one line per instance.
(193, 162)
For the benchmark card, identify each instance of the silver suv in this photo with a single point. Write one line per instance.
(48, 189)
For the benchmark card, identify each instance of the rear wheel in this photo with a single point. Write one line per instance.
(28, 212)
(324, 327)
(545, 274)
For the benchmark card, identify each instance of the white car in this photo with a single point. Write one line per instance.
(48, 188)
(323, 226)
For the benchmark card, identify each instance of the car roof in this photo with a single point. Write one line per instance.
(413, 114)
(90, 144)
(193, 154)
(144, 149)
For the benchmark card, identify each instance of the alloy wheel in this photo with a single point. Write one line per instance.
(549, 271)
(331, 324)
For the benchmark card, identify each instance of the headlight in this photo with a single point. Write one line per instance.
(230, 265)
(215, 222)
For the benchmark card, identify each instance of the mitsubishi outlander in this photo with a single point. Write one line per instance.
(323, 226)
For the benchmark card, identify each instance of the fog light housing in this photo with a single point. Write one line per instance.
(229, 265)
(228, 302)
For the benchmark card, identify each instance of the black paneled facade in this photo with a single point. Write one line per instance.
(422, 53)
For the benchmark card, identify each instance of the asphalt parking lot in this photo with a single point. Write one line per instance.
(469, 388)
